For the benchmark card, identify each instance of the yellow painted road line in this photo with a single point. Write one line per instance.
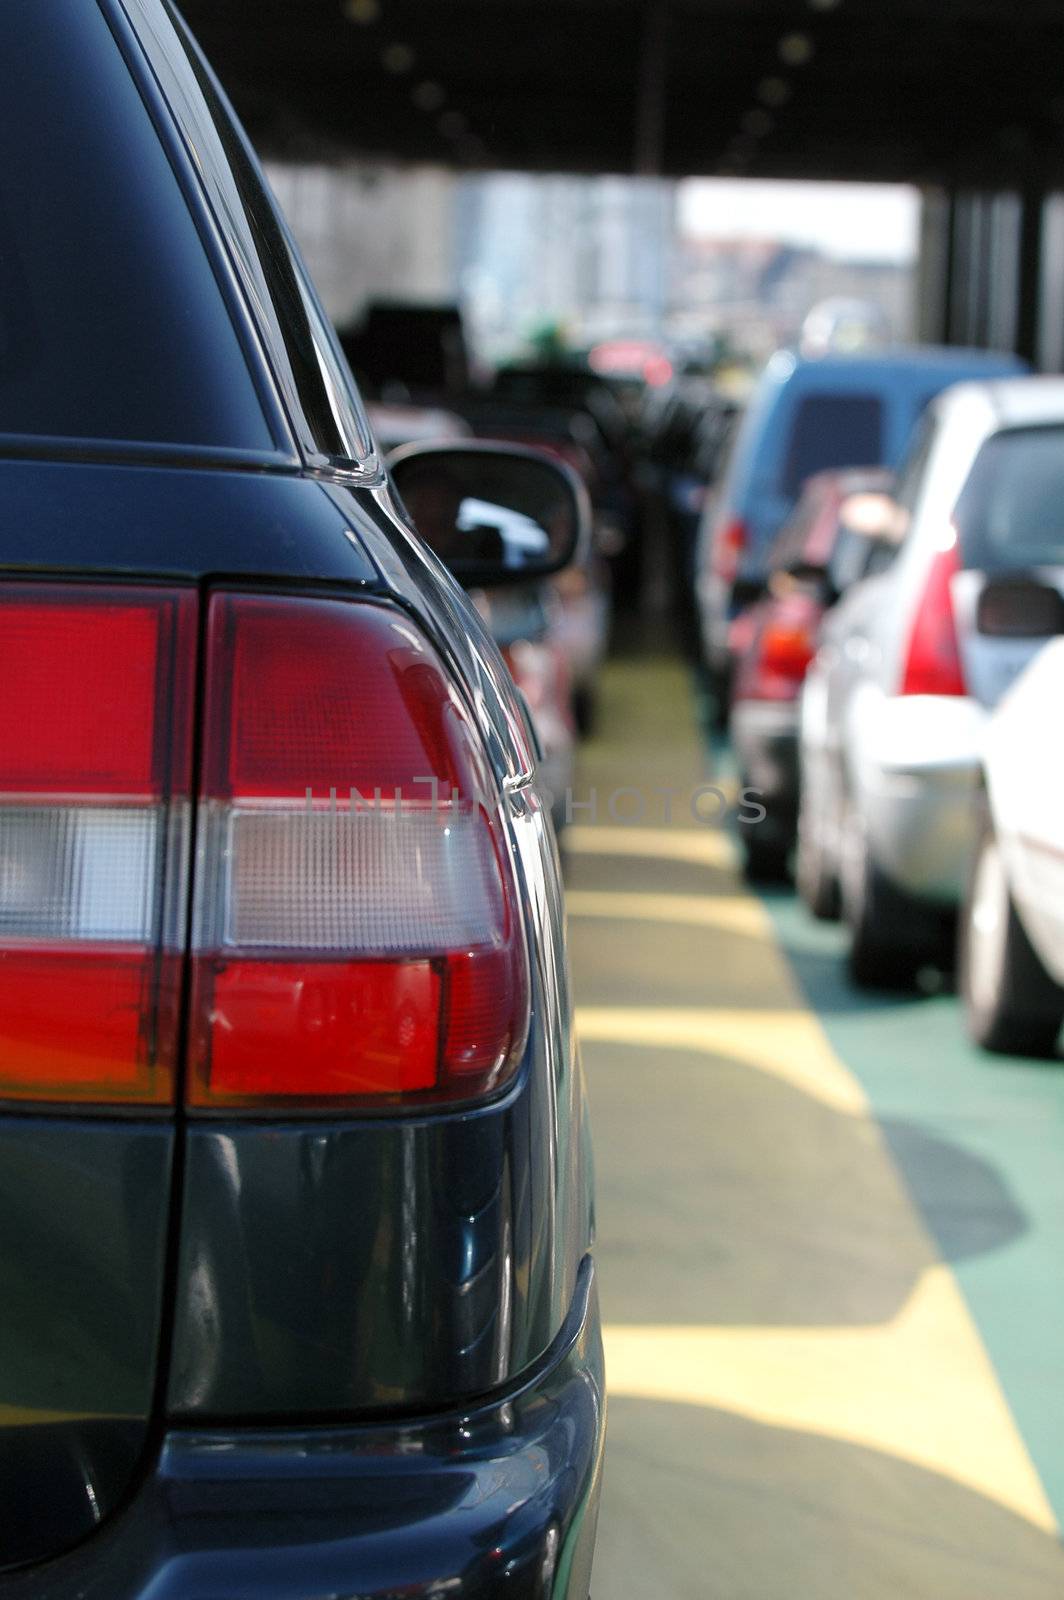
(731, 913)
(920, 1388)
(787, 1044)
(702, 847)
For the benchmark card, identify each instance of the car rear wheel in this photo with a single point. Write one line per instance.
(1011, 1004)
(892, 936)
(766, 860)
(585, 709)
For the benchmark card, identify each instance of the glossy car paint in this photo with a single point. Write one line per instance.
(377, 1281)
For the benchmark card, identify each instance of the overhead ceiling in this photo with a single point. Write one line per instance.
(964, 91)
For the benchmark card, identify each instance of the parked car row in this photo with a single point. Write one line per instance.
(808, 415)
(896, 695)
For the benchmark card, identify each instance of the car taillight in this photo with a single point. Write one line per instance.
(729, 542)
(95, 745)
(786, 650)
(777, 661)
(358, 937)
(933, 663)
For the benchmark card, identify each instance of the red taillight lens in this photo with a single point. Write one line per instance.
(785, 651)
(95, 738)
(777, 641)
(729, 542)
(358, 937)
(933, 663)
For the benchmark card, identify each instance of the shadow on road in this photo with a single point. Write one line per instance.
(703, 1503)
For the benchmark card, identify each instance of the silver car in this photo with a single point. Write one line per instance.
(1011, 958)
(910, 663)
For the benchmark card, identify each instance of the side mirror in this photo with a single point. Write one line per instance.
(493, 513)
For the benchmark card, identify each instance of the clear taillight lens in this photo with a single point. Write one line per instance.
(95, 742)
(357, 930)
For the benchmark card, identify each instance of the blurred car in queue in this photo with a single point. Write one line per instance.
(839, 531)
(686, 430)
(542, 632)
(409, 351)
(577, 603)
(895, 703)
(520, 622)
(613, 408)
(806, 416)
(522, 617)
(1011, 955)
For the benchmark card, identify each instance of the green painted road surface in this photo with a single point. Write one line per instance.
(831, 1235)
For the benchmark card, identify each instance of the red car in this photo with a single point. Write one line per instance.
(836, 535)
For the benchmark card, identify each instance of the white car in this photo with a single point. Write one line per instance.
(1012, 929)
(912, 662)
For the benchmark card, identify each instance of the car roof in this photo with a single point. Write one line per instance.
(1006, 402)
(919, 360)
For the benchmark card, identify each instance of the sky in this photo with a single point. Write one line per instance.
(856, 221)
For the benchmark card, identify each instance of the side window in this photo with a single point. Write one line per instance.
(832, 430)
(113, 326)
(318, 379)
(790, 544)
(882, 555)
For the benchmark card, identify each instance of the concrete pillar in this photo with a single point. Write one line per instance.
(1029, 275)
(934, 285)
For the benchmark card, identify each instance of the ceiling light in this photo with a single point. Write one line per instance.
(824, 5)
(773, 91)
(428, 96)
(795, 49)
(362, 12)
(757, 123)
(397, 58)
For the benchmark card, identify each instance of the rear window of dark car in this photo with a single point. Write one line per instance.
(832, 430)
(1011, 510)
(112, 324)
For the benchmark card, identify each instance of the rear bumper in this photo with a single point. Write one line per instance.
(921, 830)
(917, 778)
(765, 737)
(500, 1499)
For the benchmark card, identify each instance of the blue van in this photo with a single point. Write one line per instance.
(808, 415)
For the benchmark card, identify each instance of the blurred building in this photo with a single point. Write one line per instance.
(756, 293)
(593, 255)
(370, 230)
(598, 258)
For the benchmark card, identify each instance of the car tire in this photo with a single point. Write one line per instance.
(1011, 1004)
(765, 861)
(817, 884)
(892, 936)
(585, 709)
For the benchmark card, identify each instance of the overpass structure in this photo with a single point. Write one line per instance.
(962, 98)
